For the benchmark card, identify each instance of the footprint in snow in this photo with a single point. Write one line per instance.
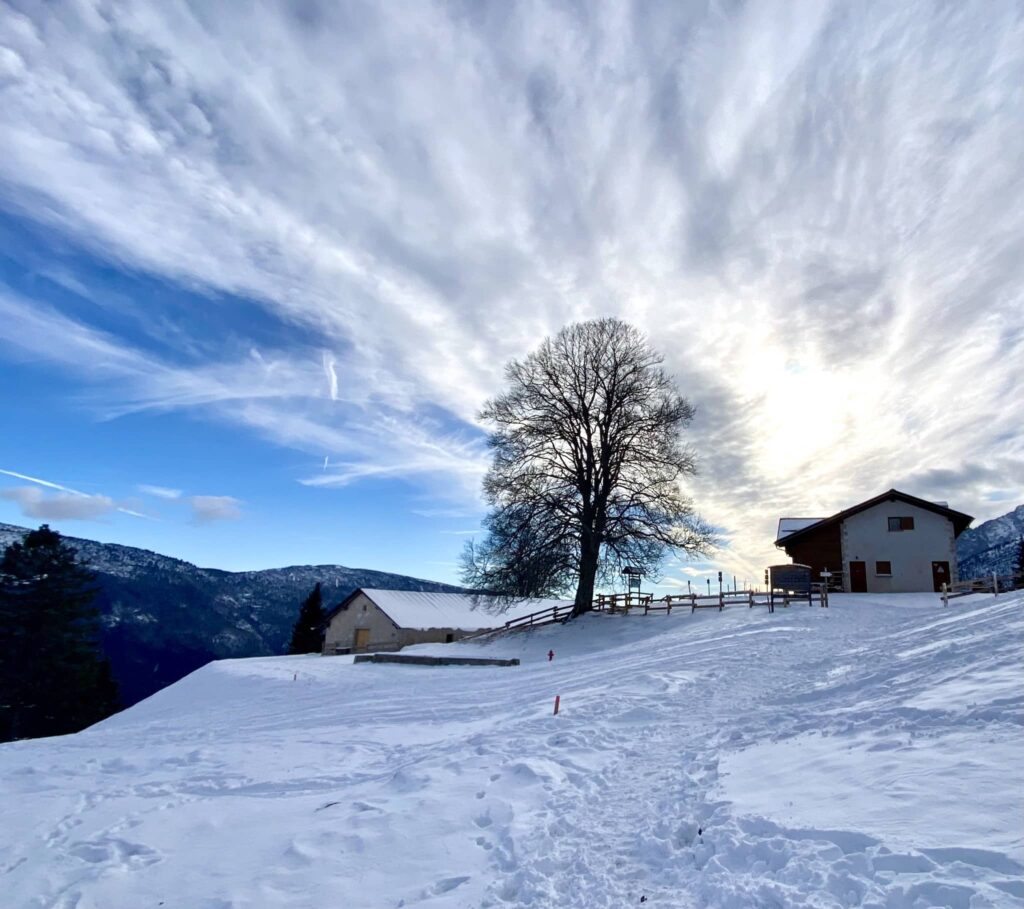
(446, 885)
(111, 850)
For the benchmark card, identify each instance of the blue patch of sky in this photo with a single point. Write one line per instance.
(182, 325)
(51, 432)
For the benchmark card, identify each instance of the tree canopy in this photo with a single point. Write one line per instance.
(586, 470)
(54, 678)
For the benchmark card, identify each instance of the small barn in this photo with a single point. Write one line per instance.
(893, 543)
(382, 620)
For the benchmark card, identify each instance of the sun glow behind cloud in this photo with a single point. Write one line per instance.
(812, 209)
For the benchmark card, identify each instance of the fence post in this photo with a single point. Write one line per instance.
(995, 584)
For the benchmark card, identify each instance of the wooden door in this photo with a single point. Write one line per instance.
(362, 639)
(858, 577)
(940, 575)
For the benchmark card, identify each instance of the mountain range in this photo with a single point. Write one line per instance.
(992, 546)
(164, 617)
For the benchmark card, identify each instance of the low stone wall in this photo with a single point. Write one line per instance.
(411, 660)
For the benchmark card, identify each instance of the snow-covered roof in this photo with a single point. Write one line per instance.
(792, 525)
(464, 611)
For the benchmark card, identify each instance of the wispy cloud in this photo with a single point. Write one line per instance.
(332, 376)
(208, 509)
(813, 213)
(161, 492)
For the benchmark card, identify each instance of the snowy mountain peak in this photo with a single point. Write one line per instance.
(992, 546)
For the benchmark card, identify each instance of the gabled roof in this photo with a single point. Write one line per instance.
(424, 609)
(960, 520)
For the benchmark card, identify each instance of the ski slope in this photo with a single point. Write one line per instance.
(866, 755)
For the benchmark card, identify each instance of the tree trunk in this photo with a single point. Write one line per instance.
(585, 589)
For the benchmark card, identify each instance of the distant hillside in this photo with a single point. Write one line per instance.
(164, 617)
(991, 546)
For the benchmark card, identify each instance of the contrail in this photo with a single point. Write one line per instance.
(73, 492)
(332, 376)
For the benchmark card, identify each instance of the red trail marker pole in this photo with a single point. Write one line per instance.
(558, 698)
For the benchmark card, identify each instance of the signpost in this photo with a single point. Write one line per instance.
(825, 575)
(632, 576)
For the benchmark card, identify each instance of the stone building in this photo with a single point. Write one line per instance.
(392, 619)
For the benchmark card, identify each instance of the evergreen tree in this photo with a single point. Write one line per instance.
(1018, 569)
(54, 678)
(308, 634)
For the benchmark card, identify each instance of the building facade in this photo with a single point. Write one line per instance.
(386, 620)
(894, 543)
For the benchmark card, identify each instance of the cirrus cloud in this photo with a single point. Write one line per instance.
(811, 208)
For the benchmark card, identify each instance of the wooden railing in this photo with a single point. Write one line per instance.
(993, 583)
(549, 616)
(623, 603)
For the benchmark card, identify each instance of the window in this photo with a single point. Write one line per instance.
(901, 524)
(883, 569)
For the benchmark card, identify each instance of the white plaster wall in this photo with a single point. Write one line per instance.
(362, 612)
(866, 537)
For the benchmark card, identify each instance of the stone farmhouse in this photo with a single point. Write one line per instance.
(893, 543)
(383, 620)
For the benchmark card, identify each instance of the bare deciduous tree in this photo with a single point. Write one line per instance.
(586, 470)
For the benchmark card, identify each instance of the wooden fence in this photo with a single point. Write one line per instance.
(623, 603)
(993, 583)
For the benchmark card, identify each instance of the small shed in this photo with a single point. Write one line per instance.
(388, 620)
(789, 582)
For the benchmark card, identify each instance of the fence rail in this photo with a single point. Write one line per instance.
(623, 603)
(994, 583)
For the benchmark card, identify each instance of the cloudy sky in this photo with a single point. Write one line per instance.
(261, 263)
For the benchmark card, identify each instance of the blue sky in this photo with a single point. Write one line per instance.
(260, 267)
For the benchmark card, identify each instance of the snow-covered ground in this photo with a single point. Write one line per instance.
(870, 754)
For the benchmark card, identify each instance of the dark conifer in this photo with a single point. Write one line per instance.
(1018, 568)
(307, 634)
(54, 678)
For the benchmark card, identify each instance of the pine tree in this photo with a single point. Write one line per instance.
(307, 634)
(1018, 569)
(54, 678)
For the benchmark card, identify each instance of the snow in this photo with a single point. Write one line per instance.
(865, 755)
(792, 525)
(419, 609)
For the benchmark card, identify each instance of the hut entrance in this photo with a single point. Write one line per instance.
(858, 577)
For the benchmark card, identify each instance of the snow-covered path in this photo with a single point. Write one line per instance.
(866, 755)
